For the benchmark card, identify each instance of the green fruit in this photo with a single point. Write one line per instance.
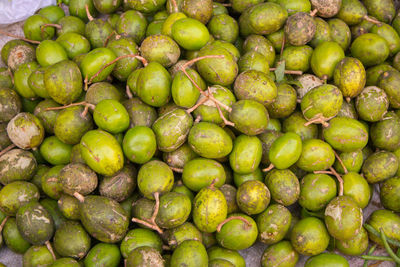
(103, 218)
(325, 58)
(253, 197)
(357, 187)
(17, 165)
(50, 52)
(200, 173)
(94, 61)
(74, 44)
(390, 35)
(184, 93)
(209, 209)
(388, 81)
(258, 43)
(209, 140)
(144, 256)
(155, 176)
(380, 166)
(224, 27)
(161, 49)
(285, 150)
(300, 28)
(35, 223)
(382, 10)
(100, 91)
(240, 232)
(139, 144)
(140, 114)
(241, 178)
(355, 246)
(69, 207)
(389, 193)
(140, 238)
(385, 220)
(283, 185)
(54, 151)
(33, 28)
(246, 154)
(297, 57)
(309, 236)
(295, 123)
(25, 130)
(340, 33)
(65, 262)
(370, 49)
(175, 210)
(77, 178)
(280, 254)
(385, 133)
(77, 8)
(294, 6)
(169, 22)
(190, 33)
(111, 116)
(47, 117)
(273, 224)
(372, 104)
(51, 206)
(145, 6)
(50, 182)
(37, 256)
(36, 83)
(349, 76)
(322, 32)
(328, 260)
(190, 253)
(249, 117)
(132, 24)
(374, 73)
(97, 31)
(103, 254)
(102, 152)
(71, 24)
(71, 240)
(343, 218)
(13, 238)
(107, 6)
(119, 186)
(351, 160)
(246, 82)
(253, 60)
(21, 78)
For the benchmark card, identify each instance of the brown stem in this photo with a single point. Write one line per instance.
(324, 78)
(226, 122)
(86, 83)
(212, 185)
(191, 62)
(338, 177)
(314, 12)
(270, 167)
(144, 61)
(5, 150)
(230, 219)
(197, 120)
(90, 17)
(3, 223)
(79, 197)
(128, 92)
(319, 118)
(85, 111)
(151, 223)
(179, 170)
(372, 20)
(298, 100)
(348, 99)
(175, 6)
(19, 37)
(165, 247)
(83, 103)
(50, 248)
(108, 38)
(198, 104)
(340, 161)
(295, 72)
(283, 45)
(227, 4)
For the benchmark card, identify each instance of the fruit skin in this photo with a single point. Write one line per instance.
(316, 191)
(253, 197)
(300, 28)
(209, 209)
(190, 33)
(111, 115)
(382, 10)
(104, 218)
(32, 28)
(93, 61)
(283, 186)
(297, 57)
(316, 155)
(21, 81)
(103, 254)
(209, 140)
(190, 253)
(13, 238)
(228, 31)
(372, 104)
(325, 58)
(355, 246)
(49, 52)
(155, 176)
(357, 187)
(273, 224)
(343, 218)
(309, 236)
(385, 220)
(71, 240)
(144, 256)
(260, 44)
(102, 152)
(17, 165)
(237, 234)
(36, 256)
(380, 166)
(25, 130)
(285, 150)
(389, 81)
(160, 48)
(249, 117)
(388, 33)
(350, 77)
(328, 260)
(84, 185)
(370, 49)
(389, 193)
(54, 151)
(199, 10)
(281, 253)
(176, 208)
(10, 104)
(385, 133)
(246, 154)
(139, 144)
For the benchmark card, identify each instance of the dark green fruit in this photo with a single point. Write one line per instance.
(140, 114)
(103, 218)
(174, 211)
(51, 206)
(10, 196)
(180, 156)
(280, 254)
(51, 185)
(13, 238)
(380, 166)
(316, 191)
(190, 253)
(295, 123)
(77, 177)
(100, 91)
(69, 207)
(258, 43)
(145, 6)
(144, 256)
(253, 197)
(10, 104)
(77, 8)
(37, 256)
(71, 240)
(17, 165)
(322, 32)
(65, 262)
(388, 81)
(389, 193)
(121, 185)
(283, 185)
(103, 254)
(47, 117)
(309, 236)
(385, 133)
(132, 24)
(340, 32)
(199, 10)
(383, 10)
(97, 31)
(273, 224)
(224, 27)
(370, 49)
(139, 238)
(35, 223)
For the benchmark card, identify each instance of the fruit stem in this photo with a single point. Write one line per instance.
(372, 20)
(230, 219)
(3, 223)
(371, 250)
(282, 46)
(128, 92)
(50, 248)
(197, 120)
(44, 26)
(176, 169)
(338, 177)
(142, 59)
(229, 4)
(108, 38)
(71, 105)
(79, 197)
(5, 150)
(313, 13)
(175, 6)
(152, 221)
(226, 122)
(295, 72)
(270, 167)
(388, 248)
(18, 37)
(191, 62)
(319, 118)
(348, 99)
(90, 17)
(340, 161)
(199, 103)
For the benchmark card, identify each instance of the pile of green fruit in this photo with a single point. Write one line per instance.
(177, 132)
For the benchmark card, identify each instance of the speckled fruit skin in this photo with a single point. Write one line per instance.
(316, 191)
(25, 130)
(370, 49)
(17, 165)
(209, 209)
(246, 154)
(325, 58)
(316, 155)
(372, 104)
(10, 201)
(283, 185)
(300, 28)
(350, 77)
(326, 8)
(281, 253)
(380, 166)
(355, 246)
(273, 224)
(253, 197)
(10, 104)
(249, 117)
(71, 240)
(190, 253)
(388, 221)
(144, 256)
(200, 172)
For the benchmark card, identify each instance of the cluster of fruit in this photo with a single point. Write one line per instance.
(160, 135)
